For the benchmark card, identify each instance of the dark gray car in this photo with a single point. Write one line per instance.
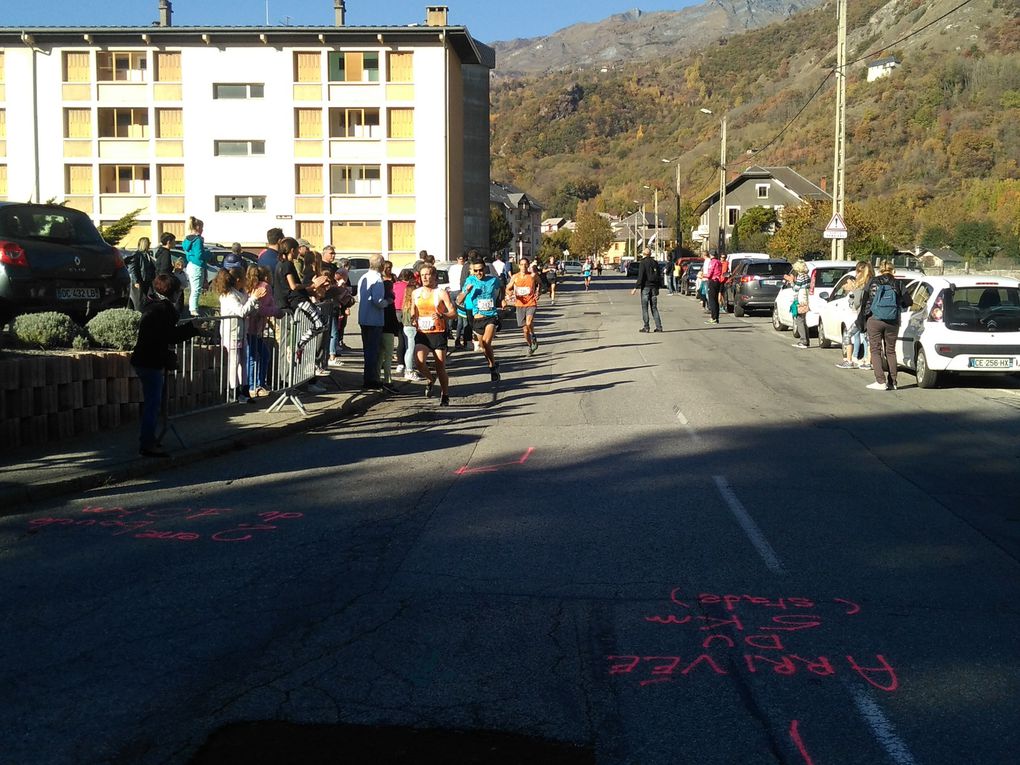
(754, 284)
(52, 258)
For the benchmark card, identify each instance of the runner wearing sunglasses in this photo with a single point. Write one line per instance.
(481, 294)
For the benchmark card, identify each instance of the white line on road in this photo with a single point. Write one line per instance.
(682, 419)
(749, 526)
(880, 726)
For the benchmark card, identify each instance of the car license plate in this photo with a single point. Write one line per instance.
(771, 282)
(991, 363)
(77, 293)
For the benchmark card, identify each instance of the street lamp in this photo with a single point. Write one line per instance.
(722, 184)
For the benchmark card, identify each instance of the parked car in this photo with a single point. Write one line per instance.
(835, 314)
(572, 267)
(754, 284)
(960, 325)
(358, 268)
(52, 258)
(823, 274)
(689, 276)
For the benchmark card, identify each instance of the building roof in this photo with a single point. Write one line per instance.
(467, 48)
(789, 178)
(946, 255)
(887, 61)
(510, 196)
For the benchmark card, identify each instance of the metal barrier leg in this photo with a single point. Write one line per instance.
(164, 419)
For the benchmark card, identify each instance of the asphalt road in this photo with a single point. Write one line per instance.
(700, 546)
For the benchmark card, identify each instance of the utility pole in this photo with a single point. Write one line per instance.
(679, 222)
(658, 246)
(839, 152)
(722, 187)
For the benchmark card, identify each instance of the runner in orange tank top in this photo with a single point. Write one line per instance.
(431, 307)
(523, 290)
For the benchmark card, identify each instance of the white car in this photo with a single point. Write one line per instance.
(572, 267)
(823, 275)
(835, 314)
(960, 324)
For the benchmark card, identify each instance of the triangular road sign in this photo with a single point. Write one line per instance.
(836, 228)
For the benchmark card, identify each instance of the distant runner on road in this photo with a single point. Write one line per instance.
(523, 290)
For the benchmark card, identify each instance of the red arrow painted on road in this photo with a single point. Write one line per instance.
(799, 742)
(493, 468)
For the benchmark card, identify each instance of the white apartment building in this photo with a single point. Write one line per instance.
(373, 139)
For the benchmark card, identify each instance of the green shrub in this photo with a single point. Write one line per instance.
(81, 342)
(45, 330)
(116, 328)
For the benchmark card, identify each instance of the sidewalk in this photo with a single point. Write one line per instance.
(31, 476)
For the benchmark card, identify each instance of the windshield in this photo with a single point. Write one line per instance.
(983, 309)
(47, 224)
(768, 269)
(827, 277)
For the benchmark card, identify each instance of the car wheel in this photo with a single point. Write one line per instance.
(777, 323)
(926, 377)
(823, 341)
(738, 310)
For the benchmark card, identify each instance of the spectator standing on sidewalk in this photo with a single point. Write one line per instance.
(152, 356)
(143, 271)
(290, 294)
(713, 276)
(197, 255)
(234, 259)
(882, 303)
(372, 318)
(455, 278)
(405, 300)
(258, 277)
(236, 306)
(675, 274)
(649, 280)
(270, 256)
(801, 281)
(391, 329)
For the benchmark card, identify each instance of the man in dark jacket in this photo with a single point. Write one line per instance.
(649, 280)
(157, 331)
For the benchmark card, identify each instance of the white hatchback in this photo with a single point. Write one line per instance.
(835, 314)
(960, 324)
(823, 274)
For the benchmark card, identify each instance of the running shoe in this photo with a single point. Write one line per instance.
(428, 388)
(800, 346)
(399, 369)
(534, 343)
(891, 386)
(444, 401)
(876, 386)
(643, 329)
(865, 366)
(412, 376)
(710, 321)
(493, 373)
(657, 329)
(844, 364)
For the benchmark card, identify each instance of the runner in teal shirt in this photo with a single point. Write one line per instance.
(481, 294)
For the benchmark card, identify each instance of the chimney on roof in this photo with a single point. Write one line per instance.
(821, 184)
(166, 12)
(436, 15)
(339, 13)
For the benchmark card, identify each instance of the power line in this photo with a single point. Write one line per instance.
(917, 31)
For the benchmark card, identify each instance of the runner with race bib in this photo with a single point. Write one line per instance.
(523, 291)
(430, 309)
(481, 293)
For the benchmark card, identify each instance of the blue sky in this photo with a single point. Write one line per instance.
(488, 20)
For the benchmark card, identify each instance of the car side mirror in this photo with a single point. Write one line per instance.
(824, 295)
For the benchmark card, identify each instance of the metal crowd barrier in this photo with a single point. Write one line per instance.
(223, 363)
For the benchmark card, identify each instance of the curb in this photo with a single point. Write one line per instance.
(19, 500)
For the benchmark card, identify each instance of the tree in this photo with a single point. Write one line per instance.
(934, 237)
(117, 230)
(800, 233)
(500, 234)
(554, 244)
(976, 239)
(593, 234)
(754, 229)
(568, 195)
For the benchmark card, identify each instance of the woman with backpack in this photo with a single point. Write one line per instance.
(880, 315)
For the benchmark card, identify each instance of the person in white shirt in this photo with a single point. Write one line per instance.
(455, 277)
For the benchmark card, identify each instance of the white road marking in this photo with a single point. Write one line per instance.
(880, 726)
(749, 526)
(682, 419)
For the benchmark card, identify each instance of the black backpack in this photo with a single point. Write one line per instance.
(654, 277)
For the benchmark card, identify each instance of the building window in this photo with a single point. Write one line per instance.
(354, 123)
(123, 123)
(169, 123)
(357, 235)
(402, 236)
(227, 90)
(78, 179)
(355, 180)
(353, 67)
(308, 123)
(761, 190)
(732, 216)
(77, 67)
(170, 179)
(124, 179)
(401, 123)
(308, 179)
(401, 180)
(122, 66)
(240, 204)
(77, 123)
(239, 148)
(401, 67)
(307, 67)
(168, 67)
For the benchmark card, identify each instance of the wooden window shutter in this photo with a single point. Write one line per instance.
(79, 123)
(77, 67)
(354, 66)
(170, 123)
(1, 66)
(171, 179)
(79, 179)
(401, 67)
(401, 123)
(3, 180)
(308, 67)
(3, 123)
(402, 235)
(309, 180)
(309, 123)
(310, 230)
(175, 227)
(402, 179)
(168, 67)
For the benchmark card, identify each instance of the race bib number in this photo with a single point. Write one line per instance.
(522, 291)
(426, 323)
(485, 304)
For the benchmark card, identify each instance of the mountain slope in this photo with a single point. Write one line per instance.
(638, 36)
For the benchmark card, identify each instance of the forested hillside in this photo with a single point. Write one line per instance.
(932, 146)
